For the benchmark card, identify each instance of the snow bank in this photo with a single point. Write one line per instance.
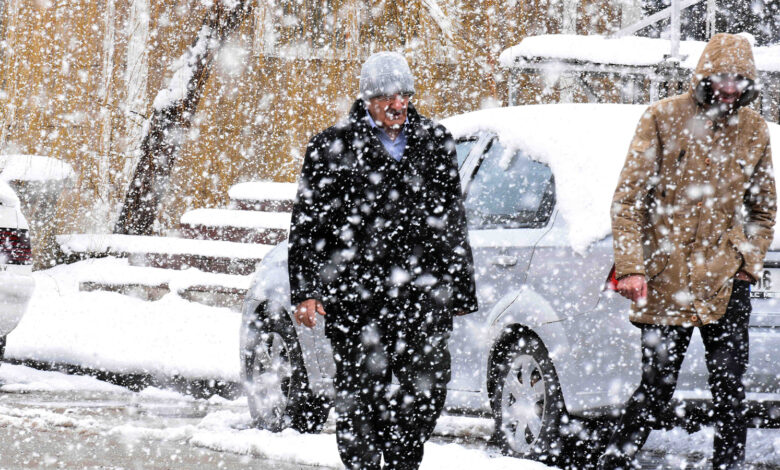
(629, 50)
(37, 419)
(103, 330)
(24, 379)
(263, 191)
(584, 144)
(226, 431)
(33, 168)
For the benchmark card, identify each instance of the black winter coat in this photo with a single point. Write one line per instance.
(372, 237)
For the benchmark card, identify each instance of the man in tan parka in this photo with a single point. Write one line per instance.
(692, 218)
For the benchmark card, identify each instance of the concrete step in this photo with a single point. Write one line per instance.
(215, 296)
(213, 264)
(263, 196)
(213, 256)
(211, 295)
(267, 228)
(151, 284)
(143, 291)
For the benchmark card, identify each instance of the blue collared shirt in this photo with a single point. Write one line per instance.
(394, 147)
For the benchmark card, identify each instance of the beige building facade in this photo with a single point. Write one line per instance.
(79, 78)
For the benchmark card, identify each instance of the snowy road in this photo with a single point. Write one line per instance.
(50, 420)
(53, 420)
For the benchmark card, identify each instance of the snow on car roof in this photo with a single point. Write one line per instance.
(585, 145)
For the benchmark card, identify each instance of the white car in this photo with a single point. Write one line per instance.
(16, 281)
(551, 341)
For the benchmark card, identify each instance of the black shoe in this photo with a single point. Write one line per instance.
(616, 462)
(733, 466)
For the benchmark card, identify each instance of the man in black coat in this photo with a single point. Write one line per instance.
(378, 245)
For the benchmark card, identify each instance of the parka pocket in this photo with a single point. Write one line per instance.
(655, 265)
(734, 242)
(655, 250)
(722, 263)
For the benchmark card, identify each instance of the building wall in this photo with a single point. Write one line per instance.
(79, 77)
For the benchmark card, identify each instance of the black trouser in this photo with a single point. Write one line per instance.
(726, 354)
(373, 421)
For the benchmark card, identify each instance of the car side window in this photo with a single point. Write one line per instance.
(510, 190)
(463, 148)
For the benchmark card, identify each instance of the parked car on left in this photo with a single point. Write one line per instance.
(16, 281)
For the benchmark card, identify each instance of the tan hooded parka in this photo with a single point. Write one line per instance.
(696, 200)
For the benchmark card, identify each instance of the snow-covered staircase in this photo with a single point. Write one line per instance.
(259, 212)
(263, 196)
(243, 226)
(210, 262)
(149, 283)
(215, 256)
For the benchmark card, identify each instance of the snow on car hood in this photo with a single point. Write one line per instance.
(585, 145)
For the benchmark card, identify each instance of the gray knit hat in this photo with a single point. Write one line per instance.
(385, 73)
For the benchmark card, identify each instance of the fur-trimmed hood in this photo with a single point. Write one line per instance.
(725, 53)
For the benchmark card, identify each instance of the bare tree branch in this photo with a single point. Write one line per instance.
(174, 109)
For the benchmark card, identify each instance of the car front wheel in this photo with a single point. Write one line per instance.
(277, 386)
(526, 399)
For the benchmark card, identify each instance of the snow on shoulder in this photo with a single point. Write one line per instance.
(585, 145)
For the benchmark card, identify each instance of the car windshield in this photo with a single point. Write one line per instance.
(510, 190)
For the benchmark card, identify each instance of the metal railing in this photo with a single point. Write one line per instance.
(623, 83)
(671, 12)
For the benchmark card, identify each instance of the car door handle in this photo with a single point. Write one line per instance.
(504, 260)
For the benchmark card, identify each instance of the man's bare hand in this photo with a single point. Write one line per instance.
(633, 287)
(306, 312)
(743, 276)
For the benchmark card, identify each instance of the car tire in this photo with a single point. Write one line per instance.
(276, 384)
(526, 399)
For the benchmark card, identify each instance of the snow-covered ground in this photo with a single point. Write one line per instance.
(226, 429)
(105, 330)
(172, 336)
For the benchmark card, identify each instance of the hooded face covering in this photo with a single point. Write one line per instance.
(725, 56)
